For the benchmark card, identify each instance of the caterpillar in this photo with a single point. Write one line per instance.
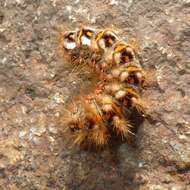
(93, 119)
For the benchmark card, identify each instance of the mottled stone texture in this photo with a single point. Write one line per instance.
(35, 86)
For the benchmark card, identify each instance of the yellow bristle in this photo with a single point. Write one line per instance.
(121, 126)
(99, 136)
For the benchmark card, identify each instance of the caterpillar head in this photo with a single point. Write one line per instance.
(68, 40)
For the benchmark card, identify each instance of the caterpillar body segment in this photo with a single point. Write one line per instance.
(120, 53)
(128, 73)
(85, 36)
(123, 53)
(126, 94)
(94, 118)
(104, 40)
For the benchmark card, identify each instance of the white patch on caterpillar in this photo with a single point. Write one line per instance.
(70, 45)
(85, 41)
(109, 56)
(107, 108)
(139, 75)
(117, 58)
(124, 76)
(120, 94)
(102, 44)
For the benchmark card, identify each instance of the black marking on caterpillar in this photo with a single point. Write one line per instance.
(93, 119)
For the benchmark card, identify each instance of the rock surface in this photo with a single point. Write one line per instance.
(35, 85)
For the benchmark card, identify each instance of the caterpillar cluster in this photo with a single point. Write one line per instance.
(93, 119)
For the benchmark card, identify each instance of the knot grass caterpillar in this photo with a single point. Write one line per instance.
(94, 118)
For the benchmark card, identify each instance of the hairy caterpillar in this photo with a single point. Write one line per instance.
(94, 118)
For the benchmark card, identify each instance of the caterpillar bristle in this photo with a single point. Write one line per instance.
(121, 126)
(93, 118)
(92, 109)
(140, 105)
(106, 101)
(80, 137)
(99, 136)
(150, 79)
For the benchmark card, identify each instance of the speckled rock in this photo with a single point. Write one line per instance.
(36, 84)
